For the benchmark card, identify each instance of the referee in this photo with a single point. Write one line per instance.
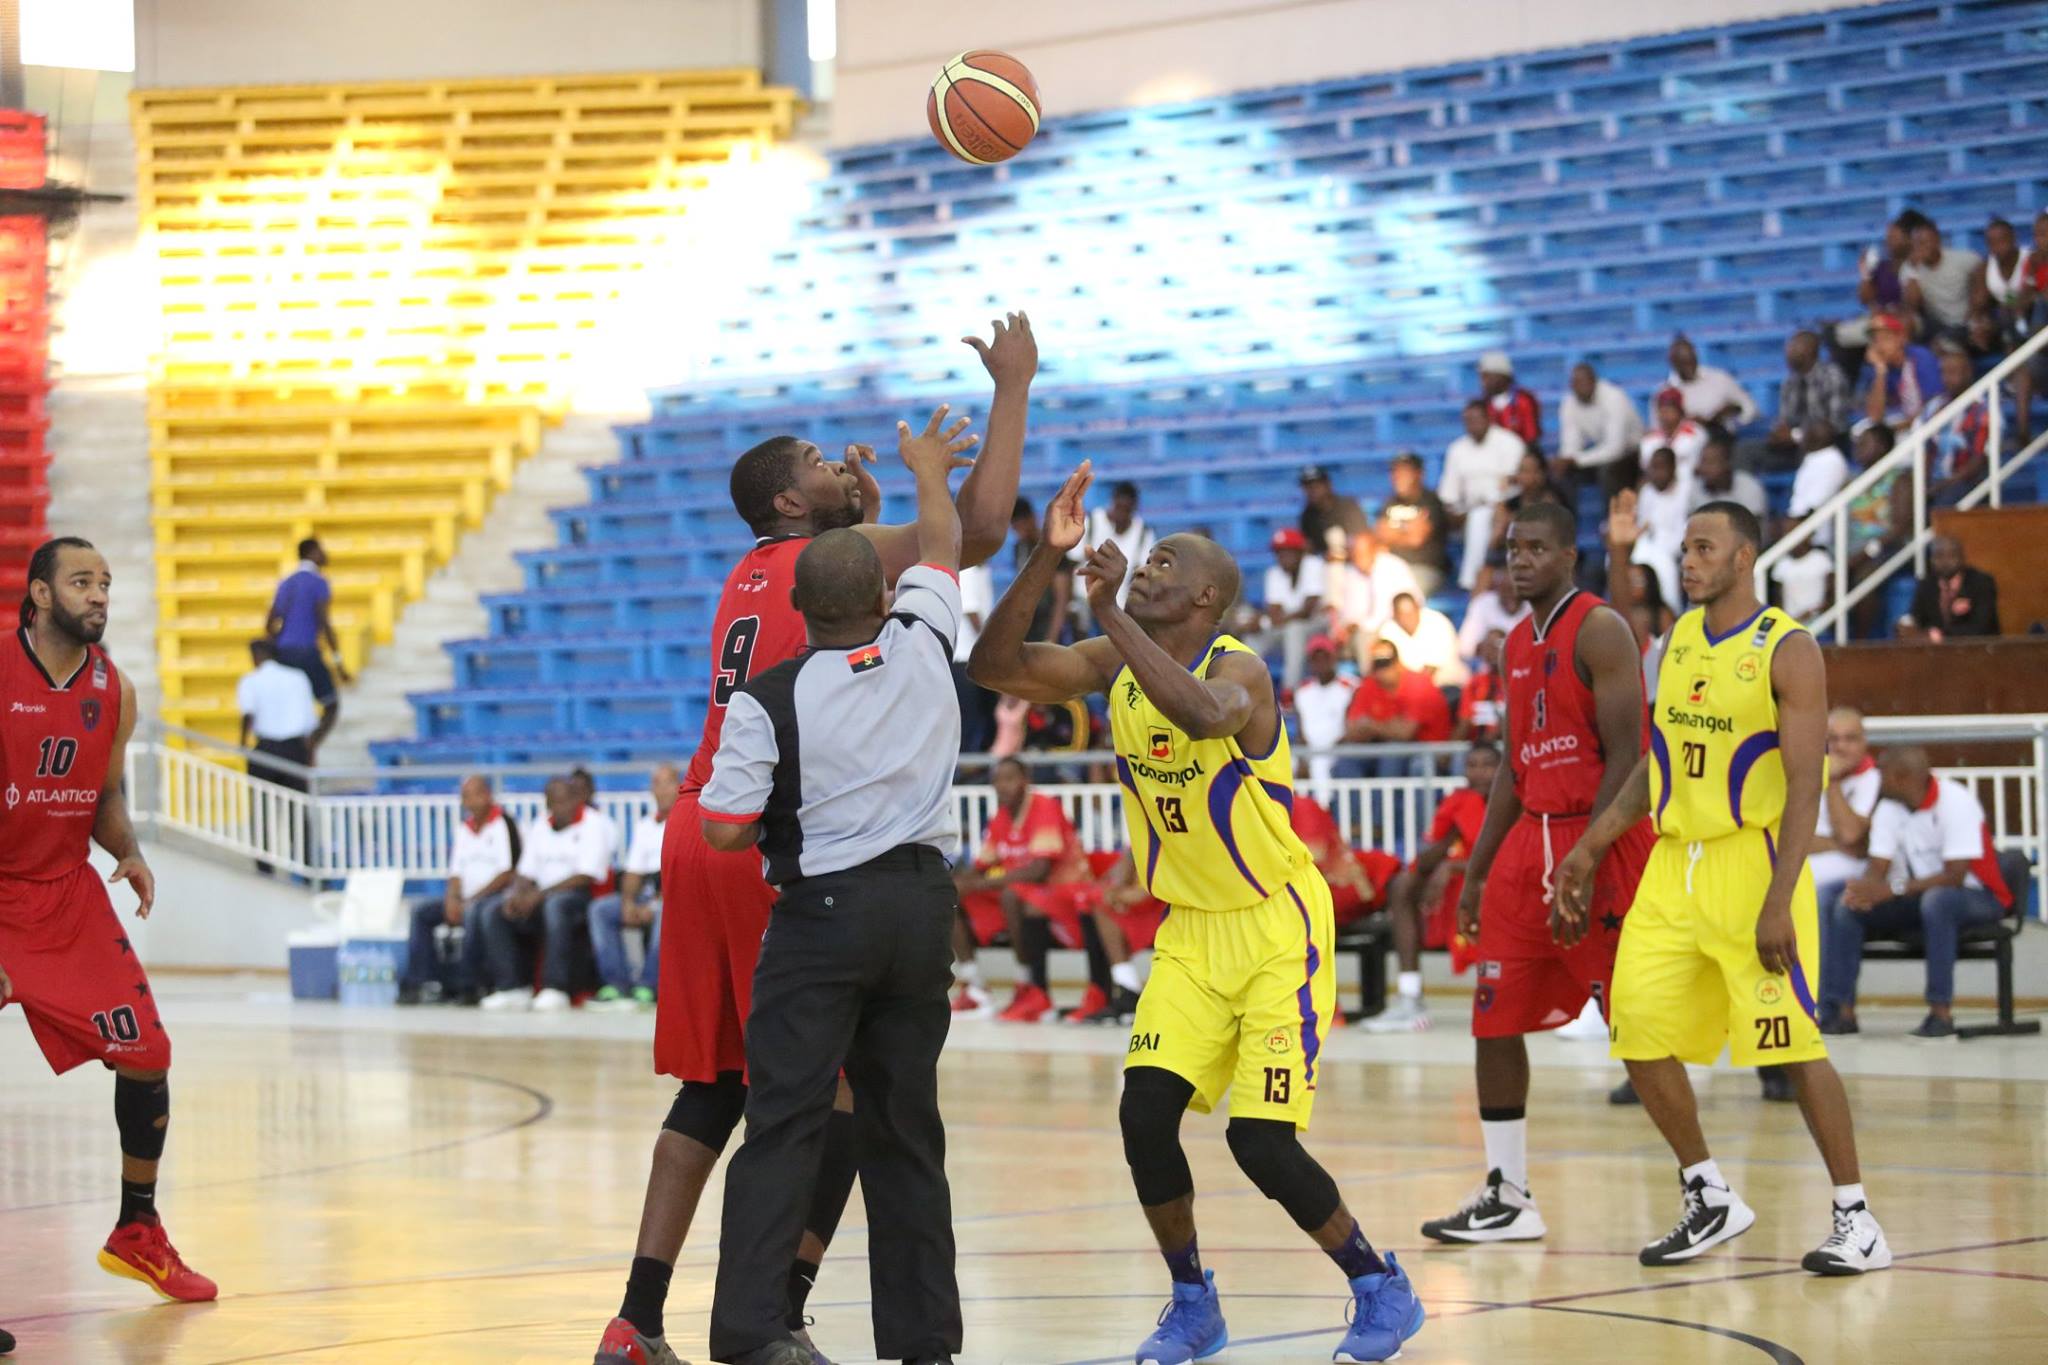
(839, 764)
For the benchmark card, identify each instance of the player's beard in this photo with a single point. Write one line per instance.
(75, 627)
(825, 519)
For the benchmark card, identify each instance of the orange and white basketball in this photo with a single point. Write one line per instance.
(983, 107)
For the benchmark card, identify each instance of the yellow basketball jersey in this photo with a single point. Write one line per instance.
(1715, 766)
(1208, 822)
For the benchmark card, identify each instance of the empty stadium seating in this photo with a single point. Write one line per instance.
(1228, 289)
(372, 297)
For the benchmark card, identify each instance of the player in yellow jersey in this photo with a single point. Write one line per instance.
(1242, 988)
(1715, 949)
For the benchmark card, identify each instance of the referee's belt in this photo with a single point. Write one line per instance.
(902, 858)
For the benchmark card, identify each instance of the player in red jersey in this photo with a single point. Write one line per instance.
(1574, 725)
(715, 905)
(65, 717)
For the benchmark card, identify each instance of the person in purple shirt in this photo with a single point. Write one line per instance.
(1899, 380)
(298, 624)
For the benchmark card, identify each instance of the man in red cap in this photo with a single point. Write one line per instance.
(1294, 602)
(1674, 431)
(1899, 379)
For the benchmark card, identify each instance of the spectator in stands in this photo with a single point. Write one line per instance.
(1121, 523)
(1532, 484)
(1358, 879)
(1508, 403)
(1956, 453)
(1813, 401)
(1822, 472)
(1661, 507)
(1021, 878)
(561, 862)
(1880, 515)
(585, 788)
(1493, 607)
(1635, 590)
(1049, 617)
(1294, 602)
(977, 703)
(1599, 433)
(1479, 703)
(1435, 879)
(2002, 275)
(1932, 873)
(1324, 509)
(1426, 641)
(1719, 479)
(276, 703)
(635, 905)
(1881, 289)
(1954, 601)
(1123, 917)
(1710, 394)
(1362, 592)
(1396, 705)
(1841, 835)
(480, 863)
(1321, 703)
(1478, 467)
(1936, 282)
(1415, 525)
(1803, 582)
(1899, 378)
(297, 625)
(1674, 432)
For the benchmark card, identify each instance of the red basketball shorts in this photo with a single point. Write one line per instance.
(75, 975)
(1062, 906)
(714, 910)
(1527, 982)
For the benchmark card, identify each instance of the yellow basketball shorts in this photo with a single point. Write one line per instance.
(1240, 1001)
(1687, 978)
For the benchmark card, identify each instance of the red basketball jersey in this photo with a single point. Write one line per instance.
(56, 738)
(756, 629)
(1557, 756)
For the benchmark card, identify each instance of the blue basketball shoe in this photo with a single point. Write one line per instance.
(1190, 1327)
(1384, 1313)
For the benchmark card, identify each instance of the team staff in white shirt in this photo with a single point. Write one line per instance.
(1841, 835)
(566, 854)
(1295, 585)
(480, 869)
(635, 905)
(279, 714)
(1478, 467)
(1320, 704)
(1600, 433)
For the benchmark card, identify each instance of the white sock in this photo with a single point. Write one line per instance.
(968, 973)
(1125, 974)
(1848, 1196)
(1706, 1170)
(1507, 1149)
(1410, 986)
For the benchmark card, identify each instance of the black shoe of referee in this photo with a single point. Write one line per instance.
(6, 1343)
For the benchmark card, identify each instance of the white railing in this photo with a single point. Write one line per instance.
(1908, 455)
(328, 836)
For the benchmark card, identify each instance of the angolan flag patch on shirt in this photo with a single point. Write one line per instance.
(865, 658)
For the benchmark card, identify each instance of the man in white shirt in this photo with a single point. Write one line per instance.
(1600, 432)
(1121, 523)
(1294, 602)
(565, 856)
(1711, 394)
(482, 855)
(1675, 432)
(1841, 836)
(1362, 592)
(1426, 641)
(1805, 579)
(1478, 467)
(1719, 480)
(1937, 281)
(1932, 874)
(635, 905)
(1320, 704)
(1822, 473)
(1661, 506)
(279, 713)
(585, 788)
(977, 703)
(1494, 607)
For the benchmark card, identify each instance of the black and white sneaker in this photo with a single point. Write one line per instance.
(1713, 1214)
(1498, 1211)
(1855, 1246)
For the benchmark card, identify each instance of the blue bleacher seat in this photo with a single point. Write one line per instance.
(1234, 286)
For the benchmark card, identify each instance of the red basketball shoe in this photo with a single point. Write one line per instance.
(141, 1251)
(623, 1345)
(1029, 1005)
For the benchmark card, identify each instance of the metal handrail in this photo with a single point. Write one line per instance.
(1834, 513)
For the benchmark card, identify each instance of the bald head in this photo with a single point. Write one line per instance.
(1905, 772)
(476, 797)
(662, 785)
(1211, 564)
(839, 583)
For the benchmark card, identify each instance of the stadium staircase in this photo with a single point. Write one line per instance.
(371, 298)
(1228, 289)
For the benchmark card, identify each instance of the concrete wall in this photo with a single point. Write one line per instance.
(235, 42)
(1088, 55)
(211, 911)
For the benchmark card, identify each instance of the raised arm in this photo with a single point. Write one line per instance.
(1004, 659)
(931, 456)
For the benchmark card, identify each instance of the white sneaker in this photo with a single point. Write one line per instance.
(551, 1001)
(1403, 1014)
(1856, 1245)
(500, 1002)
(1713, 1214)
(1589, 1027)
(1498, 1211)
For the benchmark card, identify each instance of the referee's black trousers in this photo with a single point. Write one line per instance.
(855, 970)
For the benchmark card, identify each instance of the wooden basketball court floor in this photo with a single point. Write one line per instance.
(386, 1186)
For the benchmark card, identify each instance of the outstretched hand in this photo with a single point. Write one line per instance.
(859, 464)
(933, 451)
(1066, 516)
(1012, 357)
(1104, 571)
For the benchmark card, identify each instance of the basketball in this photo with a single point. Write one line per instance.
(983, 107)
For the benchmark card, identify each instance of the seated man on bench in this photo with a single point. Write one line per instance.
(1933, 874)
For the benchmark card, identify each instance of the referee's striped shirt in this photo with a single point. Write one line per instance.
(844, 753)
